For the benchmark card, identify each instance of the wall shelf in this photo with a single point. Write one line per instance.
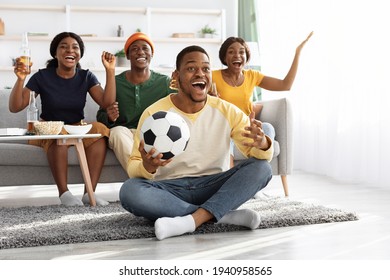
(46, 8)
(116, 39)
(72, 18)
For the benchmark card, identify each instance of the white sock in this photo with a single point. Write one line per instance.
(68, 199)
(242, 217)
(99, 201)
(167, 227)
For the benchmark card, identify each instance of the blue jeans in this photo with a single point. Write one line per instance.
(217, 193)
(269, 130)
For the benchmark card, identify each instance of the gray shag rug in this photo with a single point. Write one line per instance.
(56, 224)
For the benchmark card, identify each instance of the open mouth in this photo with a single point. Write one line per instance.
(237, 63)
(141, 59)
(199, 85)
(70, 58)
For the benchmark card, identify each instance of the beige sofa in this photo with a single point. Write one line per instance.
(22, 164)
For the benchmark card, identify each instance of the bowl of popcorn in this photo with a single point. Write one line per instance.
(48, 127)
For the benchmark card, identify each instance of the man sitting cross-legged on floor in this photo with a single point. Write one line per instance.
(197, 186)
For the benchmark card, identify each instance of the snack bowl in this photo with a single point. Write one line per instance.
(78, 129)
(48, 127)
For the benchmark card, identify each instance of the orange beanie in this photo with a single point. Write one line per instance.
(138, 36)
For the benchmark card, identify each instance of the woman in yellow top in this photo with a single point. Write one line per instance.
(236, 84)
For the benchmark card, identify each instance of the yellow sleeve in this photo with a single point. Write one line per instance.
(135, 168)
(239, 120)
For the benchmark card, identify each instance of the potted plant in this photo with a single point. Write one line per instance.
(208, 32)
(121, 59)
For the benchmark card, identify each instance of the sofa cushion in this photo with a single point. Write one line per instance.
(22, 154)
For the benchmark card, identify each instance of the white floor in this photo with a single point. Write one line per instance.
(366, 239)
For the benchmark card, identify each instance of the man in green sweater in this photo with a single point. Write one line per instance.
(136, 89)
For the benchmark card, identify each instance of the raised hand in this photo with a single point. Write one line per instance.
(21, 70)
(299, 48)
(108, 60)
(256, 133)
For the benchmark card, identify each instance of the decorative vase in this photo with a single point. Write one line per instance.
(208, 35)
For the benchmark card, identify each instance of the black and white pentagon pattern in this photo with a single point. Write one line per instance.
(167, 132)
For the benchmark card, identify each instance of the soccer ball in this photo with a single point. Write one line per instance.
(167, 132)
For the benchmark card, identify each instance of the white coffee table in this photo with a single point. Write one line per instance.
(68, 139)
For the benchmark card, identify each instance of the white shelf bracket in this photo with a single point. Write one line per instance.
(67, 21)
(149, 21)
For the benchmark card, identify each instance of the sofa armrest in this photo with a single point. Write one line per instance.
(278, 112)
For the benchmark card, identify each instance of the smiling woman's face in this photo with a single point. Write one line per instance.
(235, 56)
(68, 52)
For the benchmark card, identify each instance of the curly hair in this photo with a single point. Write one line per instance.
(186, 50)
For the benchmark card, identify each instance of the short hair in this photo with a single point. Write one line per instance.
(186, 50)
(56, 41)
(228, 42)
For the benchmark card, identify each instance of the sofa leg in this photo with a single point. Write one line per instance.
(285, 185)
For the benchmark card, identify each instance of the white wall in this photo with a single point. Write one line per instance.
(341, 94)
(106, 25)
(229, 5)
